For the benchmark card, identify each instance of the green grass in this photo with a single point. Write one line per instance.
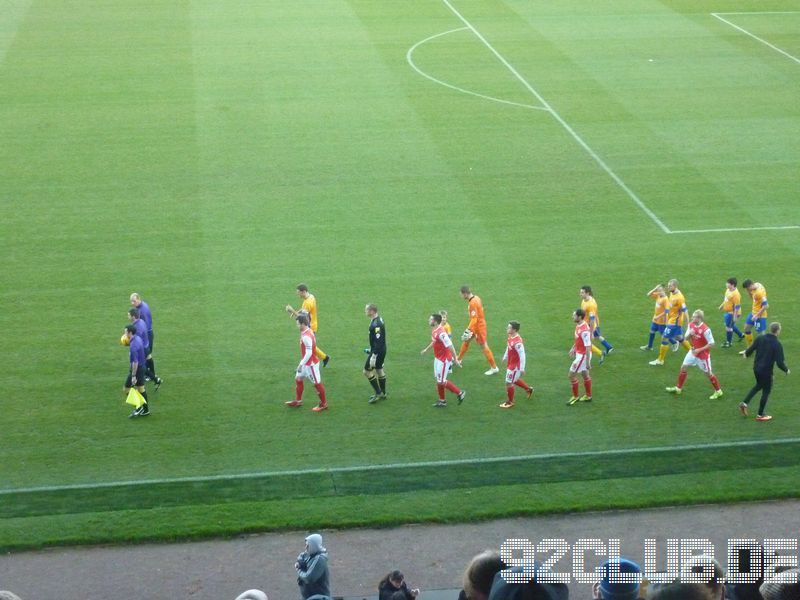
(173, 523)
(212, 157)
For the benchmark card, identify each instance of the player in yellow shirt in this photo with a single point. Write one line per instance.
(660, 312)
(448, 329)
(758, 315)
(309, 306)
(589, 307)
(677, 318)
(731, 308)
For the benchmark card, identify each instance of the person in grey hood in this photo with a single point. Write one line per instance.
(312, 569)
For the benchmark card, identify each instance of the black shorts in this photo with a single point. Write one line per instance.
(140, 373)
(378, 361)
(149, 350)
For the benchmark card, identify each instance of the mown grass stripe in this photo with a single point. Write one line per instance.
(381, 479)
(382, 467)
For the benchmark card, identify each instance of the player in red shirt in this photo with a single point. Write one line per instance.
(581, 353)
(515, 355)
(308, 367)
(444, 356)
(699, 335)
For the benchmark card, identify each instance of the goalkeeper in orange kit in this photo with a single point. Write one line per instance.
(476, 329)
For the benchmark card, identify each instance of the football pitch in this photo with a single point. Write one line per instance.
(212, 155)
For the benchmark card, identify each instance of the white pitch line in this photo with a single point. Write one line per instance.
(13, 15)
(410, 61)
(394, 466)
(762, 12)
(778, 227)
(563, 123)
(755, 37)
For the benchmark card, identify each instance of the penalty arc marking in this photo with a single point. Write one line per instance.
(410, 60)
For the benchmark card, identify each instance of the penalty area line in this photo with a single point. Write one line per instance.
(397, 466)
(761, 12)
(754, 36)
(724, 229)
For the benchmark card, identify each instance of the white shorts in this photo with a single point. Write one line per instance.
(704, 364)
(440, 369)
(513, 375)
(310, 372)
(580, 364)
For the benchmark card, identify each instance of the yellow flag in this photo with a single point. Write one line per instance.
(135, 398)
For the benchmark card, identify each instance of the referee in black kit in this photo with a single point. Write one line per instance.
(376, 353)
(769, 352)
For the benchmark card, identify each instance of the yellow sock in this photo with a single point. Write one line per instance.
(596, 351)
(662, 352)
(686, 345)
(748, 337)
(320, 354)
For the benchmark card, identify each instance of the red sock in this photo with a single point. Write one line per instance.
(510, 392)
(714, 382)
(321, 392)
(575, 388)
(682, 378)
(440, 389)
(523, 385)
(452, 387)
(298, 389)
(587, 383)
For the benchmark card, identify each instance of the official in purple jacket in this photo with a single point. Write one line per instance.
(147, 317)
(136, 373)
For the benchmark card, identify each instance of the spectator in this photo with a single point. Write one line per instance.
(745, 564)
(479, 575)
(532, 590)
(608, 590)
(773, 589)
(711, 590)
(312, 569)
(252, 595)
(394, 584)
(676, 591)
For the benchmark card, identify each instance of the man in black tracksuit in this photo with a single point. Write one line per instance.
(769, 352)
